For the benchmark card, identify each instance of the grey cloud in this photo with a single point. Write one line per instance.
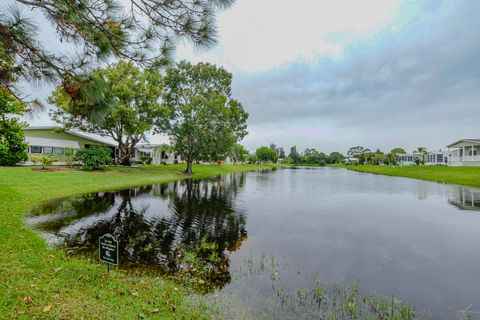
(414, 82)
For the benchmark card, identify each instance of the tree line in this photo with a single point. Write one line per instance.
(364, 155)
(311, 156)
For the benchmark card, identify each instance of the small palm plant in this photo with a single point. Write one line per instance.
(69, 156)
(44, 160)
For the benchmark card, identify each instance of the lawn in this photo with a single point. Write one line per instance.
(38, 283)
(469, 176)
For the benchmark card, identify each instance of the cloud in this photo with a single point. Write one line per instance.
(259, 35)
(416, 85)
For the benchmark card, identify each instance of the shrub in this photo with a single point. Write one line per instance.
(45, 160)
(94, 157)
(146, 159)
(69, 156)
(12, 147)
(322, 163)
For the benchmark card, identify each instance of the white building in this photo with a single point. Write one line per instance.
(437, 158)
(409, 159)
(157, 152)
(465, 152)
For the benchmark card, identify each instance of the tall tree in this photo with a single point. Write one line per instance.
(294, 155)
(266, 154)
(274, 148)
(134, 106)
(398, 151)
(281, 153)
(205, 122)
(335, 157)
(354, 152)
(239, 153)
(13, 148)
(143, 31)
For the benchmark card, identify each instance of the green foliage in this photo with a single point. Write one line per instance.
(204, 122)
(335, 157)
(252, 158)
(355, 152)
(239, 153)
(101, 30)
(265, 154)
(69, 156)
(13, 149)
(201, 267)
(94, 157)
(398, 151)
(294, 155)
(133, 106)
(45, 160)
(146, 159)
(312, 156)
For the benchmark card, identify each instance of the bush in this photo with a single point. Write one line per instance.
(322, 163)
(94, 156)
(146, 159)
(45, 160)
(13, 148)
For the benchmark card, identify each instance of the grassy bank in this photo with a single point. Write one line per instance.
(469, 176)
(38, 283)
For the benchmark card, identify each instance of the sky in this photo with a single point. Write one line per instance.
(334, 74)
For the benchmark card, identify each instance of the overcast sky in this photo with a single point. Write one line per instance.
(334, 74)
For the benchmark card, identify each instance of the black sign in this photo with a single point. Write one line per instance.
(108, 249)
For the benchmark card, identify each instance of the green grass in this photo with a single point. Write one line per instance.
(468, 176)
(38, 283)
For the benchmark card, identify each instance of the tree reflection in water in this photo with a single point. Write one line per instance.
(153, 223)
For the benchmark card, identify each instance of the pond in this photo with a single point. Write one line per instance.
(278, 231)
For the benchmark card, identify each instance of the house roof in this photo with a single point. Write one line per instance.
(472, 141)
(60, 143)
(81, 135)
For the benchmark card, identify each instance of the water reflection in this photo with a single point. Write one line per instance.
(153, 222)
(393, 236)
(464, 198)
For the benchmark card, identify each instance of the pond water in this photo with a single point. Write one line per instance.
(416, 240)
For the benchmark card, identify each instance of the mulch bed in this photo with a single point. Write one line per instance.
(55, 169)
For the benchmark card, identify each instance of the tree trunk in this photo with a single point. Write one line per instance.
(126, 153)
(189, 155)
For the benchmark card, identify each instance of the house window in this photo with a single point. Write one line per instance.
(145, 154)
(35, 149)
(57, 150)
(47, 150)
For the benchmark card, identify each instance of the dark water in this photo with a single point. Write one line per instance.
(416, 240)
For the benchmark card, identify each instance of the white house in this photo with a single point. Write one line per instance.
(409, 159)
(465, 152)
(54, 141)
(155, 151)
(437, 158)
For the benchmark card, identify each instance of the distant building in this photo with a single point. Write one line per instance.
(351, 160)
(158, 154)
(437, 158)
(409, 159)
(465, 152)
(50, 140)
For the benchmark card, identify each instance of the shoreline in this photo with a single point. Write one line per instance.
(38, 282)
(464, 176)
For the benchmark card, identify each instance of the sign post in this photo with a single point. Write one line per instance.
(108, 250)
